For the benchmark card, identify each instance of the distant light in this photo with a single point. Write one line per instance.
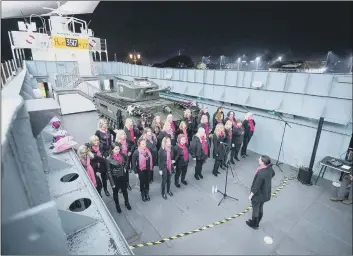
(130, 56)
(138, 56)
(252, 61)
(257, 58)
(280, 58)
(243, 61)
(239, 59)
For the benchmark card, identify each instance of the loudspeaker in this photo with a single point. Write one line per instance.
(304, 176)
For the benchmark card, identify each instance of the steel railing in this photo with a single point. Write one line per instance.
(9, 69)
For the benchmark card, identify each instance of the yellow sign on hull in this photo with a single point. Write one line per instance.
(62, 42)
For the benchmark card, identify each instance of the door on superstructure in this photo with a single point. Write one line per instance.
(111, 84)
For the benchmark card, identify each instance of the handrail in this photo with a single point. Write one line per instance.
(9, 69)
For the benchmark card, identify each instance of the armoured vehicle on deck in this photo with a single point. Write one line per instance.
(138, 99)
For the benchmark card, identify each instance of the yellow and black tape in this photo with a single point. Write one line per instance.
(282, 185)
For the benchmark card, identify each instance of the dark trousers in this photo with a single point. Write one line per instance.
(120, 183)
(103, 171)
(198, 167)
(257, 209)
(180, 170)
(166, 180)
(144, 177)
(99, 184)
(217, 164)
(235, 151)
(151, 175)
(245, 143)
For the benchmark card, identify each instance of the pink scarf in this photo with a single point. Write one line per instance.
(123, 146)
(258, 169)
(169, 159)
(251, 125)
(185, 151)
(204, 145)
(230, 133)
(96, 149)
(207, 129)
(142, 159)
(221, 133)
(132, 134)
(172, 125)
(118, 158)
(89, 170)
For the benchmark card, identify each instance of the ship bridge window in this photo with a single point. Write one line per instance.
(111, 84)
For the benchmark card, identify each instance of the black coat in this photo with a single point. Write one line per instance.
(163, 134)
(215, 122)
(115, 169)
(105, 143)
(219, 150)
(238, 135)
(191, 126)
(247, 132)
(261, 185)
(196, 149)
(203, 126)
(179, 156)
(162, 160)
(153, 149)
(228, 139)
(97, 160)
(135, 164)
(200, 116)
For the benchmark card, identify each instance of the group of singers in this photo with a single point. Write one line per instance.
(166, 146)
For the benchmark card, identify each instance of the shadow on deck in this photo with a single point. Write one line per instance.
(301, 220)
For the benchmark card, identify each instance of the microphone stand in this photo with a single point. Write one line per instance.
(228, 165)
(278, 163)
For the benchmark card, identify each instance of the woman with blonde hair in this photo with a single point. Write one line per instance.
(167, 131)
(131, 138)
(191, 124)
(183, 129)
(219, 148)
(249, 128)
(106, 135)
(165, 163)
(204, 123)
(142, 164)
(237, 140)
(121, 141)
(85, 156)
(151, 143)
(157, 125)
(171, 121)
(199, 149)
(117, 176)
(98, 164)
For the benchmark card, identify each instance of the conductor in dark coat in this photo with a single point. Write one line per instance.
(260, 190)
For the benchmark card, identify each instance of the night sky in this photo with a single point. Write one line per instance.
(159, 29)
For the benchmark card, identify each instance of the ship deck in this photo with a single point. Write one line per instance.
(300, 219)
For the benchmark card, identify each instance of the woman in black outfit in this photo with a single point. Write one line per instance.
(219, 149)
(165, 163)
(98, 164)
(204, 123)
(106, 135)
(117, 176)
(167, 131)
(151, 143)
(260, 190)
(141, 125)
(181, 156)
(204, 111)
(218, 118)
(142, 164)
(237, 140)
(131, 137)
(183, 129)
(190, 124)
(249, 127)
(228, 137)
(199, 150)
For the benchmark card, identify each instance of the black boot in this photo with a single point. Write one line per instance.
(184, 182)
(177, 185)
(232, 161)
(236, 158)
(127, 205)
(170, 193)
(147, 195)
(143, 196)
(129, 187)
(164, 196)
(118, 209)
(253, 223)
(106, 192)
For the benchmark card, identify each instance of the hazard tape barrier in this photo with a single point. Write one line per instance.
(281, 186)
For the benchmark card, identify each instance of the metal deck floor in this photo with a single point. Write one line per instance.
(301, 220)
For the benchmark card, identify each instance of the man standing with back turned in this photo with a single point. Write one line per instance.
(260, 190)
